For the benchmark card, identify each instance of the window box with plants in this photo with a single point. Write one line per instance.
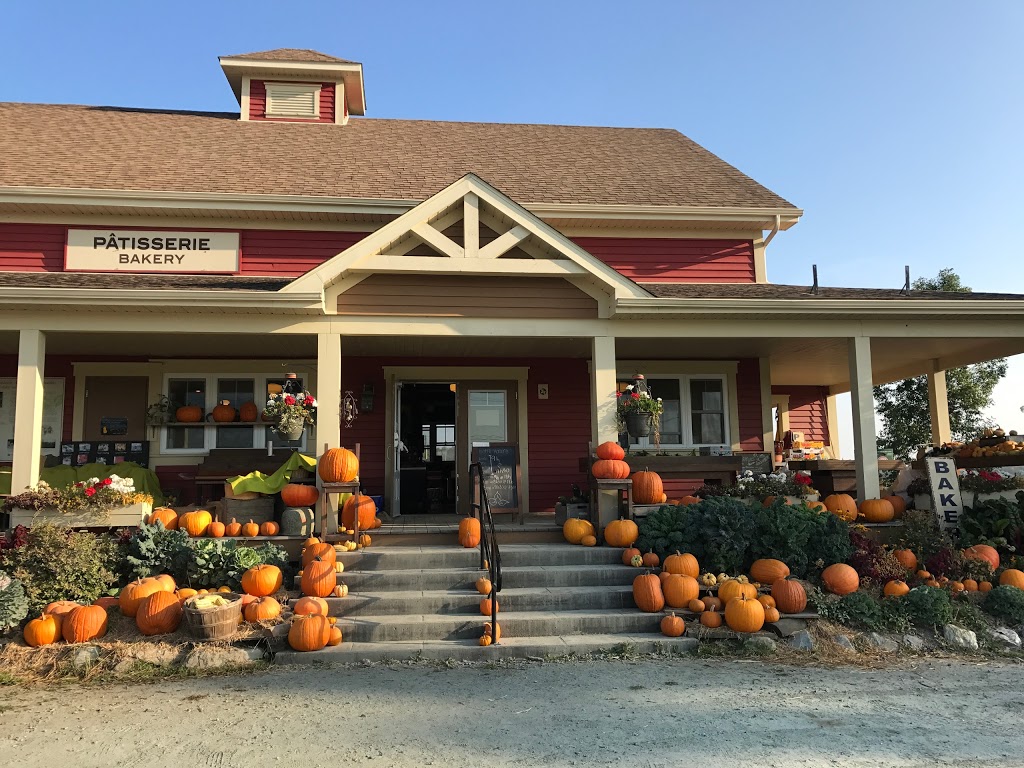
(111, 502)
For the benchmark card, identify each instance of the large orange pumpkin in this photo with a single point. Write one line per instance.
(61, 607)
(877, 511)
(621, 533)
(647, 593)
(907, 558)
(843, 505)
(85, 623)
(318, 578)
(43, 630)
(262, 609)
(1011, 577)
(159, 614)
(840, 579)
(361, 505)
(610, 450)
(790, 595)
(610, 469)
(307, 606)
(899, 506)
(299, 495)
(679, 590)
(262, 580)
(322, 550)
(133, 594)
(195, 523)
(338, 465)
(744, 614)
(767, 571)
(309, 633)
(731, 588)
(165, 515)
(685, 564)
(469, 532)
(647, 487)
(983, 552)
(575, 528)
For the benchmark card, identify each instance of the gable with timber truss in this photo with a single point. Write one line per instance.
(468, 251)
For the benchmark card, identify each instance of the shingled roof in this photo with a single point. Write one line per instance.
(122, 149)
(776, 291)
(290, 54)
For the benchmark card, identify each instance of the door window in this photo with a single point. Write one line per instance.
(487, 417)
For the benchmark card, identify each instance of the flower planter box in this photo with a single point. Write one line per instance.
(564, 511)
(118, 517)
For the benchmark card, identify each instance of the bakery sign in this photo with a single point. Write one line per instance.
(133, 250)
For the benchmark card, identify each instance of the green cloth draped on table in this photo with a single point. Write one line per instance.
(62, 476)
(257, 482)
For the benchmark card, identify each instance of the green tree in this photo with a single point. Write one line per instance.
(903, 405)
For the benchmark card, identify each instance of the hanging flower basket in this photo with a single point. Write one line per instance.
(638, 424)
(289, 430)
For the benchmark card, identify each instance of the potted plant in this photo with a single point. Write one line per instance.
(638, 412)
(986, 484)
(290, 413)
(576, 505)
(111, 501)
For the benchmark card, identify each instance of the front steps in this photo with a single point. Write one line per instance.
(408, 601)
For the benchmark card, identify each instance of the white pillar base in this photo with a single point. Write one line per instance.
(604, 426)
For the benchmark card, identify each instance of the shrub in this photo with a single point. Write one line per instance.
(873, 561)
(804, 539)
(13, 602)
(928, 606)
(152, 549)
(1006, 603)
(58, 564)
(921, 534)
(995, 522)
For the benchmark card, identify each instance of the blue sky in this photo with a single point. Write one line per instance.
(896, 126)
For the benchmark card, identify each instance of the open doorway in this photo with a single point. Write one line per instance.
(427, 452)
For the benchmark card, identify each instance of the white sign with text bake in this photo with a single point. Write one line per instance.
(131, 250)
(945, 487)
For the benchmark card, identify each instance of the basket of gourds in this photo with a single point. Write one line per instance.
(215, 616)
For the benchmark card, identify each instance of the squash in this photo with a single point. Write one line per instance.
(647, 487)
(188, 414)
(575, 528)
(647, 593)
(469, 532)
(843, 505)
(628, 555)
(358, 506)
(840, 579)
(768, 571)
(159, 614)
(744, 614)
(338, 465)
(679, 590)
(610, 451)
(85, 623)
(621, 533)
(877, 510)
(298, 495)
(685, 564)
(672, 626)
(610, 469)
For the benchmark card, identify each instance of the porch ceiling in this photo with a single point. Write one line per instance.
(193, 345)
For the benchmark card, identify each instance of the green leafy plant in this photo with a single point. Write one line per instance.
(803, 538)
(994, 521)
(922, 536)
(152, 550)
(13, 602)
(1006, 603)
(928, 606)
(58, 564)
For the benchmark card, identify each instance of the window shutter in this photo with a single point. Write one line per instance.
(293, 100)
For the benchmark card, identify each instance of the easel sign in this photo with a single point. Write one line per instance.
(499, 464)
(945, 488)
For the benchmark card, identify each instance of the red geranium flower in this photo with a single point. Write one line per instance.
(289, 400)
(107, 481)
(803, 479)
(636, 395)
(90, 491)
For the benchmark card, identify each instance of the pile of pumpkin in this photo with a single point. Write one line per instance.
(648, 487)
(340, 465)
(484, 587)
(737, 601)
(312, 629)
(981, 552)
(199, 523)
(870, 510)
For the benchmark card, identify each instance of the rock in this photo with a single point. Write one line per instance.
(255, 653)
(802, 641)
(761, 643)
(1007, 635)
(960, 637)
(158, 655)
(85, 656)
(881, 643)
(913, 642)
(124, 666)
(217, 657)
(844, 642)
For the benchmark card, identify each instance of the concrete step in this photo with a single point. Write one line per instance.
(467, 626)
(464, 578)
(512, 556)
(466, 602)
(509, 647)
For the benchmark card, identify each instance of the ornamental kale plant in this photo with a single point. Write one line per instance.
(13, 602)
(152, 550)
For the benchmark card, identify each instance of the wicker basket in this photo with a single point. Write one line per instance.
(214, 623)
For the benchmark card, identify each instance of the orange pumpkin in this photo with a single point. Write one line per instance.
(159, 614)
(650, 560)
(697, 606)
(684, 563)
(766, 600)
(731, 588)
(711, 619)
(679, 590)
(672, 626)
(224, 412)
(486, 606)
(309, 633)
(318, 578)
(647, 593)
(338, 465)
(44, 630)
(262, 609)
(234, 528)
(335, 638)
(984, 586)
(165, 515)
(269, 528)
(686, 501)
(895, 588)
(877, 511)
(216, 529)
(647, 487)
(771, 614)
(250, 530)
(970, 585)
(712, 603)
(790, 595)
(188, 414)
(611, 451)
(621, 533)
(768, 571)
(610, 469)
(248, 412)
(843, 505)
(298, 495)
(984, 553)
(589, 541)
(1011, 577)
(324, 551)
(362, 506)
(185, 593)
(496, 634)
(61, 607)
(899, 506)
(469, 532)
(744, 614)
(166, 582)
(483, 585)
(575, 528)
(85, 623)
(907, 558)
(262, 580)
(133, 594)
(628, 554)
(307, 606)
(840, 579)
(195, 523)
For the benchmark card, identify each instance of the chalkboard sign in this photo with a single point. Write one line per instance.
(499, 464)
(758, 463)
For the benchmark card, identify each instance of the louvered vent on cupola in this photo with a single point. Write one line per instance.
(293, 100)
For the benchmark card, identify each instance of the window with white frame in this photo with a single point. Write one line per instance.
(206, 391)
(696, 410)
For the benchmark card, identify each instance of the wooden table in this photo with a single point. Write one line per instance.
(623, 490)
(336, 488)
(837, 475)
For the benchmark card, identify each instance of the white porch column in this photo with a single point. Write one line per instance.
(603, 417)
(767, 423)
(28, 410)
(865, 442)
(938, 405)
(328, 391)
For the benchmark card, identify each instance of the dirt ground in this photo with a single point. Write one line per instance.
(642, 714)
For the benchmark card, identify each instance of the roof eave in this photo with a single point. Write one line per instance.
(104, 298)
(819, 306)
(349, 73)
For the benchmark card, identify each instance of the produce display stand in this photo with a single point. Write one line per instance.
(830, 476)
(623, 490)
(323, 503)
(981, 462)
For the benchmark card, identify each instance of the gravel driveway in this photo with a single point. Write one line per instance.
(640, 714)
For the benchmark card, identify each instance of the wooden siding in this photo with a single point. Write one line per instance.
(284, 253)
(258, 103)
(808, 411)
(456, 296)
(32, 247)
(675, 259)
(748, 392)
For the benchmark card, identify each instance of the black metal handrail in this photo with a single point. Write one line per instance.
(490, 555)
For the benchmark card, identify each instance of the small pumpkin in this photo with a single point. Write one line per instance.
(650, 560)
(672, 626)
(712, 603)
(310, 605)
(697, 606)
(485, 606)
(339, 567)
(589, 541)
(166, 582)
(907, 558)
(877, 510)
(248, 412)
(364, 509)
(340, 591)
(159, 614)
(165, 515)
(647, 593)
(771, 614)
(575, 528)
(85, 623)
(335, 638)
(766, 600)
(188, 414)
(621, 533)
(686, 501)
(262, 580)
(483, 585)
(970, 585)
(629, 554)
(611, 451)
(250, 530)
(711, 619)
(496, 635)
(647, 487)
(744, 614)
(768, 571)
(1012, 577)
(984, 586)
(485, 640)
(44, 630)
(895, 588)
(840, 579)
(790, 595)
(365, 540)
(843, 505)
(636, 561)
(685, 564)
(309, 633)
(923, 574)
(262, 609)
(223, 412)
(61, 607)
(234, 528)
(269, 528)
(216, 529)
(679, 590)
(185, 593)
